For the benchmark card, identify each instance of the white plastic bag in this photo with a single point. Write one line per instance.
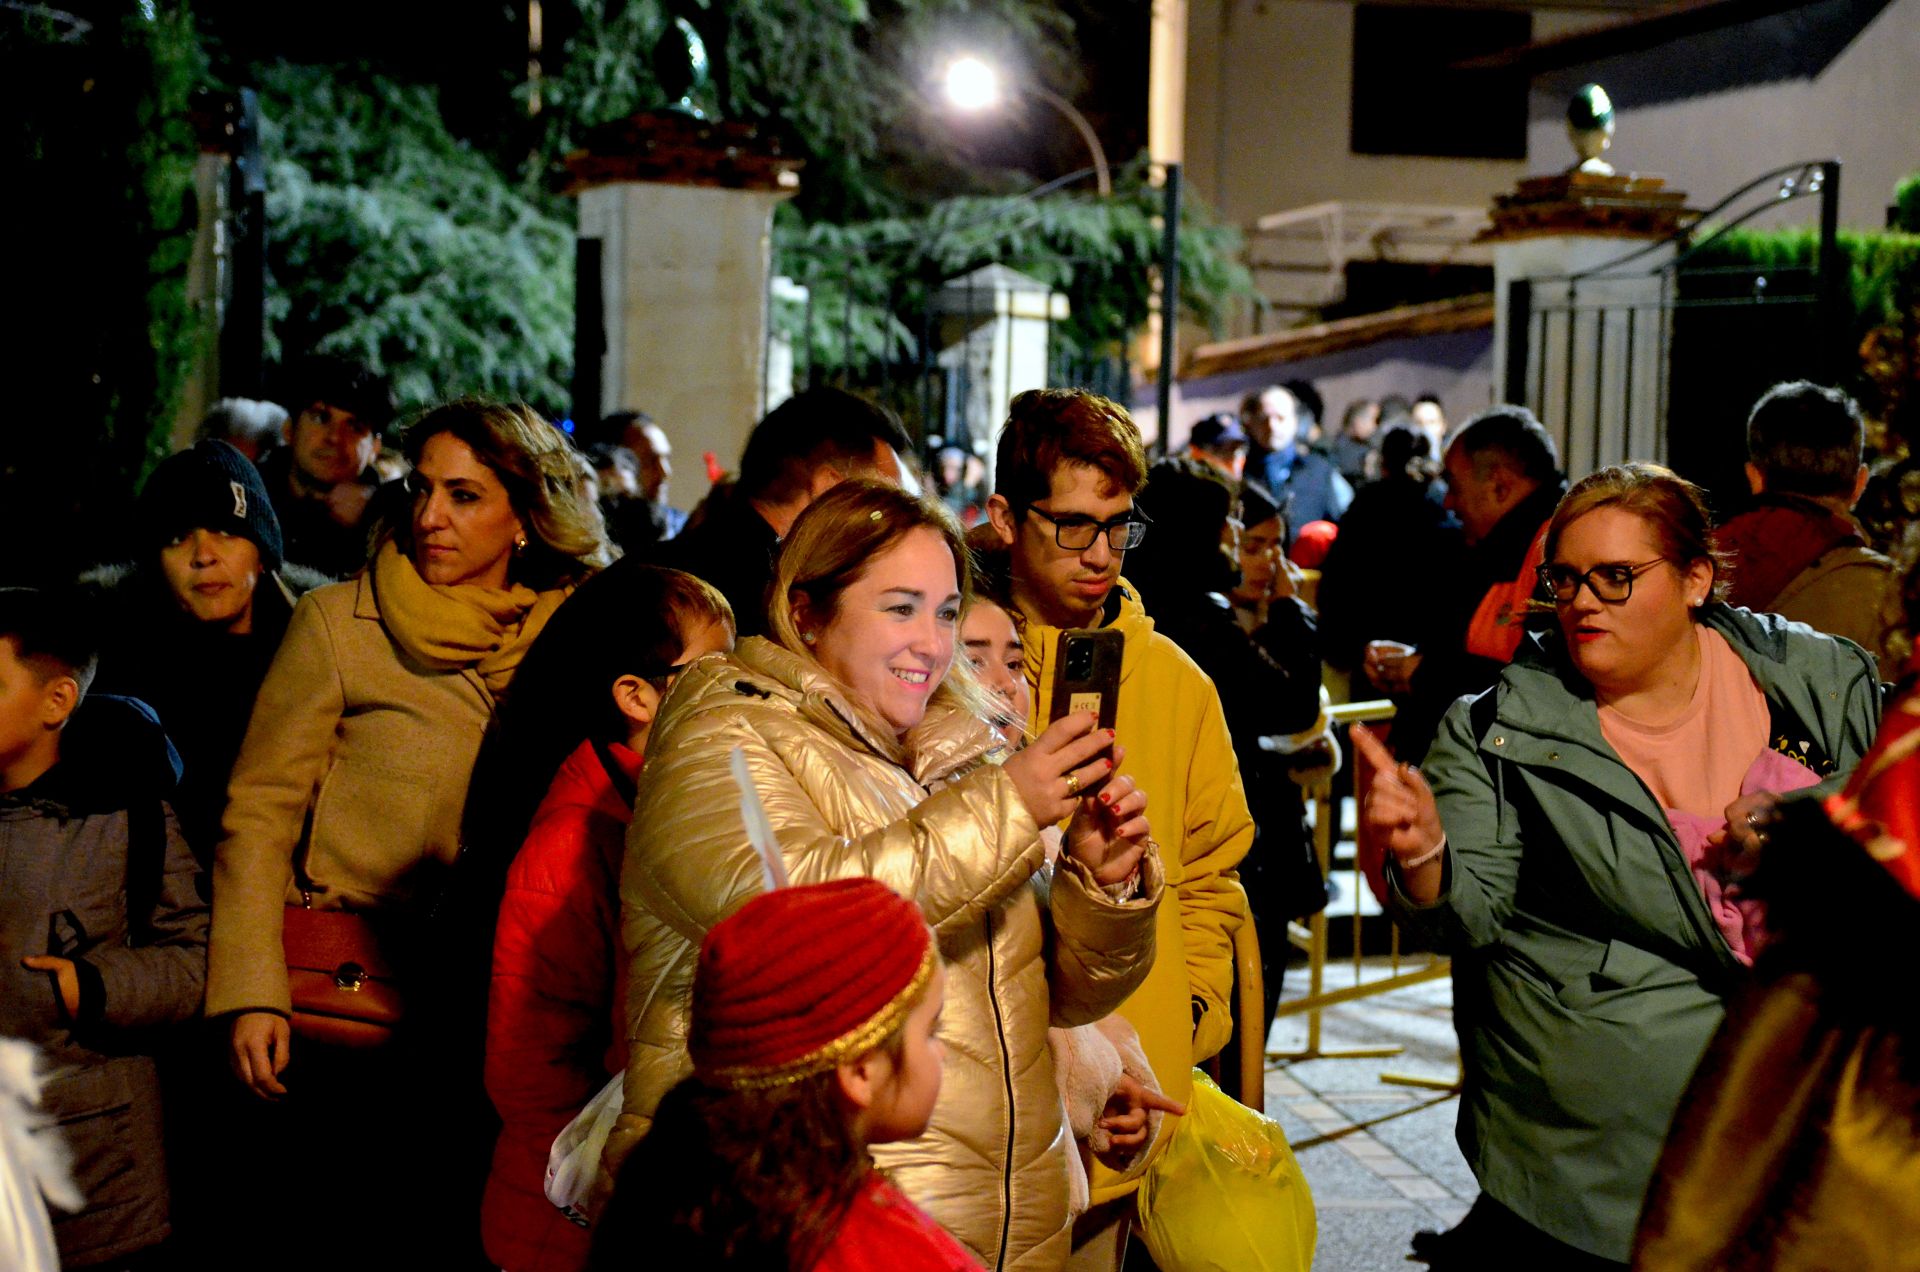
(33, 1165)
(574, 1159)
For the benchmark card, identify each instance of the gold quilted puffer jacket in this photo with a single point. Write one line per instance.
(934, 818)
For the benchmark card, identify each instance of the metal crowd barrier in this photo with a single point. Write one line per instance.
(1312, 936)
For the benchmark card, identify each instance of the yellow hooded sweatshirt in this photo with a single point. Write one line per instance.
(1178, 751)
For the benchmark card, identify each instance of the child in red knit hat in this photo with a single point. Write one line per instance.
(813, 1035)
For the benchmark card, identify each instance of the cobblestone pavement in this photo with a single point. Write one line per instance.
(1380, 1158)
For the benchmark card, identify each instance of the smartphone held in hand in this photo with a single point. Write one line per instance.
(1086, 674)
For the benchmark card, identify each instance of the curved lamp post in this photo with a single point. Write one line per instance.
(973, 85)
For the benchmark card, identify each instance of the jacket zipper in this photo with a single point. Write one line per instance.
(1006, 1078)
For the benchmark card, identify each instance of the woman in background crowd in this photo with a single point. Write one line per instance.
(1399, 553)
(190, 626)
(1583, 850)
(347, 798)
(1269, 682)
(869, 749)
(1355, 447)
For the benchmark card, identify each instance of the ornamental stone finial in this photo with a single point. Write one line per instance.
(1590, 127)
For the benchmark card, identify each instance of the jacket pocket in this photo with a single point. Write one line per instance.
(375, 826)
(92, 1108)
(1626, 974)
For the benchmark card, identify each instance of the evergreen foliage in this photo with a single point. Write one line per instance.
(1906, 203)
(866, 280)
(100, 221)
(393, 242)
(1878, 266)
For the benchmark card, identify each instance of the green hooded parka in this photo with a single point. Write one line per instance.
(1589, 974)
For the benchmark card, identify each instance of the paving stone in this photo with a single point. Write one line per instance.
(1333, 1174)
(1393, 1167)
(1419, 1187)
(1281, 1086)
(1368, 1212)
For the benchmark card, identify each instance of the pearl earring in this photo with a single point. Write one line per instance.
(807, 636)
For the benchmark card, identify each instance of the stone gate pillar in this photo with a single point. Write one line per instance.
(675, 228)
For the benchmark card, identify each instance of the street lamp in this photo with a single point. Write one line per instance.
(974, 85)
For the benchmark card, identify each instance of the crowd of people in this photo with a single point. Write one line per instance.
(458, 831)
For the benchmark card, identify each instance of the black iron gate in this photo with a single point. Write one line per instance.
(1659, 353)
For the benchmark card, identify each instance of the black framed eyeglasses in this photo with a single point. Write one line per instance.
(1076, 533)
(1611, 582)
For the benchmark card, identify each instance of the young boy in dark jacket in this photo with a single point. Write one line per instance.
(102, 932)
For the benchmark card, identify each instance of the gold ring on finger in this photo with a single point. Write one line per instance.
(1073, 784)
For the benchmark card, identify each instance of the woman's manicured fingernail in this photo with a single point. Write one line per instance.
(1109, 766)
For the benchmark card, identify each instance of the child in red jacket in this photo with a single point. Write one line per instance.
(593, 682)
(812, 1036)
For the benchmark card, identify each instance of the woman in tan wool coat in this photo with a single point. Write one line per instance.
(869, 747)
(348, 792)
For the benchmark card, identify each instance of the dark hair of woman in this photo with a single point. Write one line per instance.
(1187, 505)
(629, 620)
(1406, 453)
(755, 1180)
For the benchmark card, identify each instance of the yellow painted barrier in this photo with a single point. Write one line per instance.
(1312, 936)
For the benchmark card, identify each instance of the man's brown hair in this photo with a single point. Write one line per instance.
(1049, 427)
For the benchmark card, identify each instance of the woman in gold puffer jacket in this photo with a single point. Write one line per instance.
(871, 760)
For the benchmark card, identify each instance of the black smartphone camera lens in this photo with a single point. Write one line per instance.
(1079, 661)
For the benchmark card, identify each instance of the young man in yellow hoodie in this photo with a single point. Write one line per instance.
(1068, 466)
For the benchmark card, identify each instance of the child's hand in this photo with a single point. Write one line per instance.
(64, 976)
(260, 1048)
(1125, 1119)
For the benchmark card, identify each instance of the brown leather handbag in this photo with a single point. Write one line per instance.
(344, 989)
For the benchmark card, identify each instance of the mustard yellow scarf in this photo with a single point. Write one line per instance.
(464, 625)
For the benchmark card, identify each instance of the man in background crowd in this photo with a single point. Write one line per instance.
(803, 448)
(1503, 480)
(322, 481)
(1280, 460)
(1431, 418)
(1219, 442)
(249, 426)
(1798, 551)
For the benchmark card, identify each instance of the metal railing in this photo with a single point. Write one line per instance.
(1312, 937)
(1589, 351)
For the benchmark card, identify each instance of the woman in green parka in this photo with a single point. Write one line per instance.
(1579, 837)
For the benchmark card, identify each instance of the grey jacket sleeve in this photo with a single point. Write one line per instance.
(162, 980)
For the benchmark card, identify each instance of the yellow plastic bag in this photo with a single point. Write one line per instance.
(1227, 1195)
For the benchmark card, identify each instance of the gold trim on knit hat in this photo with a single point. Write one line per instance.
(856, 1041)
